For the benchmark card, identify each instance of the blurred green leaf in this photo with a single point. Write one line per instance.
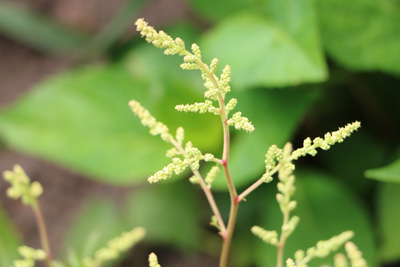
(96, 223)
(218, 10)
(169, 212)
(272, 50)
(325, 208)
(9, 241)
(388, 202)
(362, 34)
(81, 119)
(275, 115)
(42, 33)
(389, 173)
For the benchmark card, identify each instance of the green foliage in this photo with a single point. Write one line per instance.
(389, 173)
(388, 201)
(9, 241)
(361, 34)
(297, 58)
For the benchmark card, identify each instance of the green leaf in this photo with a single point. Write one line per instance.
(325, 208)
(9, 241)
(169, 212)
(96, 223)
(389, 173)
(81, 119)
(272, 50)
(24, 25)
(275, 114)
(362, 34)
(220, 9)
(388, 202)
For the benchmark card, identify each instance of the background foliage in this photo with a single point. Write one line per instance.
(299, 68)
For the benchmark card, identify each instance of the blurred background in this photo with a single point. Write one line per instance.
(299, 69)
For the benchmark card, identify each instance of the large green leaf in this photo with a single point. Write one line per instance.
(388, 202)
(389, 173)
(277, 49)
(81, 119)
(217, 10)
(9, 241)
(26, 26)
(362, 34)
(169, 212)
(275, 115)
(325, 208)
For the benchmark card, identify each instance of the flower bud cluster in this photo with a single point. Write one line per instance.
(322, 249)
(160, 39)
(231, 105)
(270, 237)
(30, 255)
(148, 120)
(211, 175)
(340, 260)
(355, 255)
(224, 80)
(153, 261)
(309, 147)
(21, 186)
(115, 247)
(202, 107)
(241, 123)
(192, 158)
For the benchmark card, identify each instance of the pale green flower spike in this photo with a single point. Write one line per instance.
(203, 107)
(325, 143)
(180, 135)
(322, 249)
(211, 175)
(340, 260)
(21, 186)
(355, 255)
(161, 39)
(153, 261)
(148, 120)
(30, 255)
(270, 237)
(115, 247)
(241, 123)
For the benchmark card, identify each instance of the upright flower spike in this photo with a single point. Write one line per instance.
(153, 261)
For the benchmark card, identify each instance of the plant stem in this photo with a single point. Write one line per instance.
(282, 240)
(206, 190)
(44, 240)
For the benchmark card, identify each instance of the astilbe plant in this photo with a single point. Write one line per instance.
(29, 192)
(185, 155)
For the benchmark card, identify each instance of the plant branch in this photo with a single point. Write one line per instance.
(44, 240)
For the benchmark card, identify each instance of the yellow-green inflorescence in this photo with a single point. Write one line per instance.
(153, 261)
(115, 247)
(21, 186)
(30, 255)
(355, 255)
(322, 249)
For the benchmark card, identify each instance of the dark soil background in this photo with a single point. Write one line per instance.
(20, 68)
